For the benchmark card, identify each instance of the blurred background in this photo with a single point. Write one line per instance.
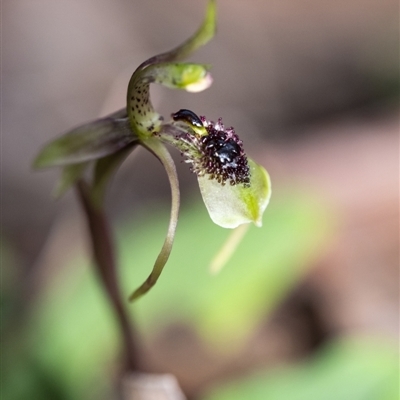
(308, 307)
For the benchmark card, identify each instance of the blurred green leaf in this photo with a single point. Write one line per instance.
(87, 142)
(23, 378)
(20, 376)
(73, 333)
(349, 369)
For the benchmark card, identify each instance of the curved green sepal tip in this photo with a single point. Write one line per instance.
(201, 37)
(159, 69)
(190, 77)
(161, 152)
(230, 206)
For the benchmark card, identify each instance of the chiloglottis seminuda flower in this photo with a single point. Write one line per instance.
(235, 189)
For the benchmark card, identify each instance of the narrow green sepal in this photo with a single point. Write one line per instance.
(69, 176)
(158, 69)
(87, 142)
(201, 37)
(161, 152)
(104, 169)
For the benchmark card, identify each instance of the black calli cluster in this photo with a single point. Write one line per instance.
(223, 155)
(219, 153)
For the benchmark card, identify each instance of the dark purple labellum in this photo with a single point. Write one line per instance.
(215, 151)
(223, 155)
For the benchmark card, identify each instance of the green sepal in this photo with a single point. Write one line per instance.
(230, 206)
(161, 152)
(201, 37)
(191, 77)
(69, 176)
(104, 169)
(87, 142)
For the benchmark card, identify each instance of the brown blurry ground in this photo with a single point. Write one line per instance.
(311, 87)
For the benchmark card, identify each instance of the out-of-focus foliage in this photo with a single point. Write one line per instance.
(225, 308)
(348, 369)
(74, 335)
(7, 283)
(21, 377)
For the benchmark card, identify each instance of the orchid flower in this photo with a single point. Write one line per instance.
(235, 189)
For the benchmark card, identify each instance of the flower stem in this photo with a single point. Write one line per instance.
(104, 257)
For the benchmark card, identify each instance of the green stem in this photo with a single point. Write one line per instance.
(104, 257)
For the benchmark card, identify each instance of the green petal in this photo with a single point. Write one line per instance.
(161, 152)
(87, 142)
(230, 206)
